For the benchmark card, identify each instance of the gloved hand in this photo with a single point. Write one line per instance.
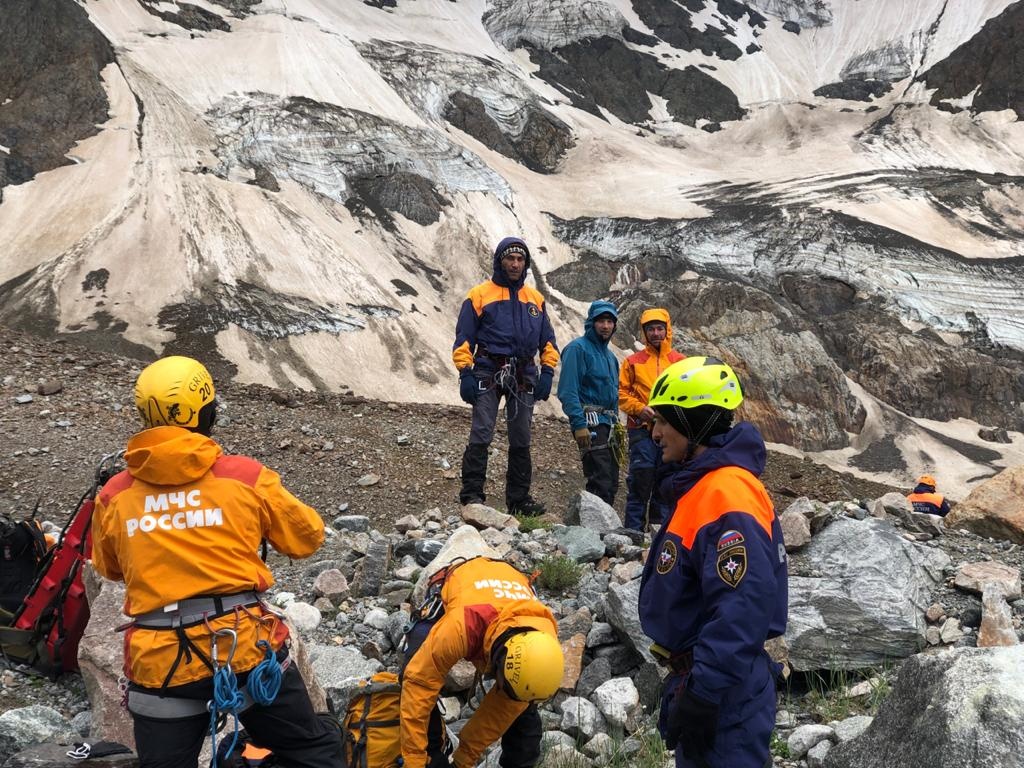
(691, 726)
(542, 389)
(469, 391)
(582, 438)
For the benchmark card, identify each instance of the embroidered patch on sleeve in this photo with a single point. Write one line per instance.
(667, 557)
(729, 539)
(732, 565)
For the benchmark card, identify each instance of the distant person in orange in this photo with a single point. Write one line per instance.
(925, 499)
(636, 376)
(182, 527)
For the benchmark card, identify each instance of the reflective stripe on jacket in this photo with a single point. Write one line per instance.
(640, 370)
(482, 599)
(185, 521)
(925, 499)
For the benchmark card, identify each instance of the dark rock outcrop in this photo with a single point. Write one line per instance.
(51, 94)
(854, 90)
(673, 23)
(189, 16)
(415, 197)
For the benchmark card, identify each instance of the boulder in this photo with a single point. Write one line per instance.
(580, 718)
(581, 544)
(339, 669)
(796, 530)
(464, 542)
(482, 516)
(618, 700)
(372, 569)
(817, 514)
(994, 508)
(35, 724)
(996, 619)
(867, 604)
(592, 512)
(622, 613)
(804, 738)
(974, 577)
(960, 708)
(304, 616)
(852, 727)
(331, 584)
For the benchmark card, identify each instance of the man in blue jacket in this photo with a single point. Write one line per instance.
(589, 391)
(715, 586)
(503, 326)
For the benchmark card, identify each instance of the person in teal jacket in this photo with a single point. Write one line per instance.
(588, 389)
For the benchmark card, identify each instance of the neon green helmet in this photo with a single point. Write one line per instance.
(697, 381)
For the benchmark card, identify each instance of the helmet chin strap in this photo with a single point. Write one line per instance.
(693, 443)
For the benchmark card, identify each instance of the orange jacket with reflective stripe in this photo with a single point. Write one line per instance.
(640, 370)
(482, 599)
(930, 503)
(184, 521)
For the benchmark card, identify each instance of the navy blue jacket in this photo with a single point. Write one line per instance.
(590, 373)
(715, 582)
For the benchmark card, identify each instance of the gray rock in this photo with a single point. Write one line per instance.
(817, 514)
(805, 737)
(339, 670)
(592, 589)
(578, 622)
(482, 516)
(407, 523)
(590, 511)
(950, 631)
(621, 606)
(395, 627)
(796, 530)
(602, 745)
(376, 618)
(973, 577)
(618, 700)
(550, 739)
(868, 605)
(304, 616)
(601, 633)
(948, 710)
(595, 673)
(581, 544)
(331, 584)
(372, 570)
(816, 755)
(852, 727)
(52, 755)
(562, 755)
(425, 551)
(580, 718)
(35, 724)
(354, 523)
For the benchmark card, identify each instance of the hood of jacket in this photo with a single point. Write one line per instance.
(650, 315)
(170, 455)
(598, 308)
(499, 275)
(742, 446)
(924, 488)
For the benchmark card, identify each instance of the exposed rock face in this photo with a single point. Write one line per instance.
(946, 711)
(51, 95)
(605, 72)
(806, 13)
(854, 90)
(994, 508)
(674, 23)
(866, 601)
(479, 96)
(188, 16)
(988, 65)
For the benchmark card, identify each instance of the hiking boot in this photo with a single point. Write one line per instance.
(471, 500)
(528, 507)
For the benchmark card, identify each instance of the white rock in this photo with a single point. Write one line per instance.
(805, 737)
(304, 616)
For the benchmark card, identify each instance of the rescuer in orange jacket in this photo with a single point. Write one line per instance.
(638, 373)
(487, 612)
(182, 527)
(925, 499)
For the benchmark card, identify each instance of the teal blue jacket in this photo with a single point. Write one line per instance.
(590, 373)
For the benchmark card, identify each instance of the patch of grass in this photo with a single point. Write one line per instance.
(828, 694)
(528, 523)
(778, 746)
(558, 573)
(650, 755)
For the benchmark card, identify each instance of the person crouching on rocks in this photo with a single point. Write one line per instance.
(181, 527)
(714, 587)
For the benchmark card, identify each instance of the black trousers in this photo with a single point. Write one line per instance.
(289, 727)
(520, 744)
(599, 465)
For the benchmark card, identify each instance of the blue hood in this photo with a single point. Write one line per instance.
(598, 308)
(742, 446)
(499, 275)
(923, 488)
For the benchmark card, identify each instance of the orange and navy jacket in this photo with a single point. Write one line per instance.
(640, 370)
(715, 581)
(502, 319)
(184, 521)
(925, 499)
(482, 600)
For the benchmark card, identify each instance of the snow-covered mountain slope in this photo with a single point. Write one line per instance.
(302, 191)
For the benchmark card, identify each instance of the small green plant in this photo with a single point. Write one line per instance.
(558, 573)
(778, 746)
(528, 523)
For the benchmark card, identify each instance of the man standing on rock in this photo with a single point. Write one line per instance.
(503, 325)
(182, 528)
(589, 392)
(485, 611)
(925, 499)
(638, 373)
(714, 587)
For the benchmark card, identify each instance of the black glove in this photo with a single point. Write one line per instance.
(468, 388)
(691, 724)
(542, 389)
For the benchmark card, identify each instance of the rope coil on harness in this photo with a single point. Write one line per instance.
(265, 678)
(227, 699)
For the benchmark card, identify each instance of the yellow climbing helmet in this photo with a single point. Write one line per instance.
(172, 392)
(532, 666)
(697, 381)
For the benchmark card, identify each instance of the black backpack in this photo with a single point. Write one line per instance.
(22, 548)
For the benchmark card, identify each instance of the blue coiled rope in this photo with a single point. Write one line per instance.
(265, 679)
(227, 699)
